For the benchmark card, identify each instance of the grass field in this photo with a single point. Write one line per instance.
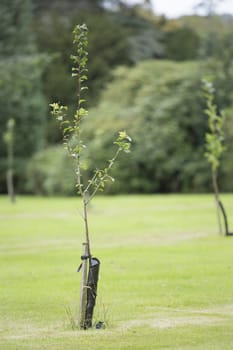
(166, 278)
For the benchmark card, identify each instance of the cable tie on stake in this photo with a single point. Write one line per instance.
(83, 257)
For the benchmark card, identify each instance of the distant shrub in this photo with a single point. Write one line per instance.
(48, 173)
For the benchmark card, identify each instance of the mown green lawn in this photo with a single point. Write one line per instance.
(166, 277)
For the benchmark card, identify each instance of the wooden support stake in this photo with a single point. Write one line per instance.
(83, 289)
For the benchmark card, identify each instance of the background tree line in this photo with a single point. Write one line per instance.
(144, 75)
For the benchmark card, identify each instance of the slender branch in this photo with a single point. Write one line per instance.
(105, 176)
(91, 182)
(112, 161)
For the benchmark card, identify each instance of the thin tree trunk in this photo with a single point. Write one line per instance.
(216, 195)
(10, 185)
(85, 205)
(227, 233)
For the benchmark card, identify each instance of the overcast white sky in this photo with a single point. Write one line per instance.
(176, 8)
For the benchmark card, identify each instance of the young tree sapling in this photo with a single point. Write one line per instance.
(73, 142)
(214, 143)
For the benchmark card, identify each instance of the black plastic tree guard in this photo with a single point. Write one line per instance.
(227, 233)
(92, 281)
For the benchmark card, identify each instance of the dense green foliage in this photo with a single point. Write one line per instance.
(159, 103)
(21, 95)
(20, 76)
(119, 35)
(15, 35)
(182, 44)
